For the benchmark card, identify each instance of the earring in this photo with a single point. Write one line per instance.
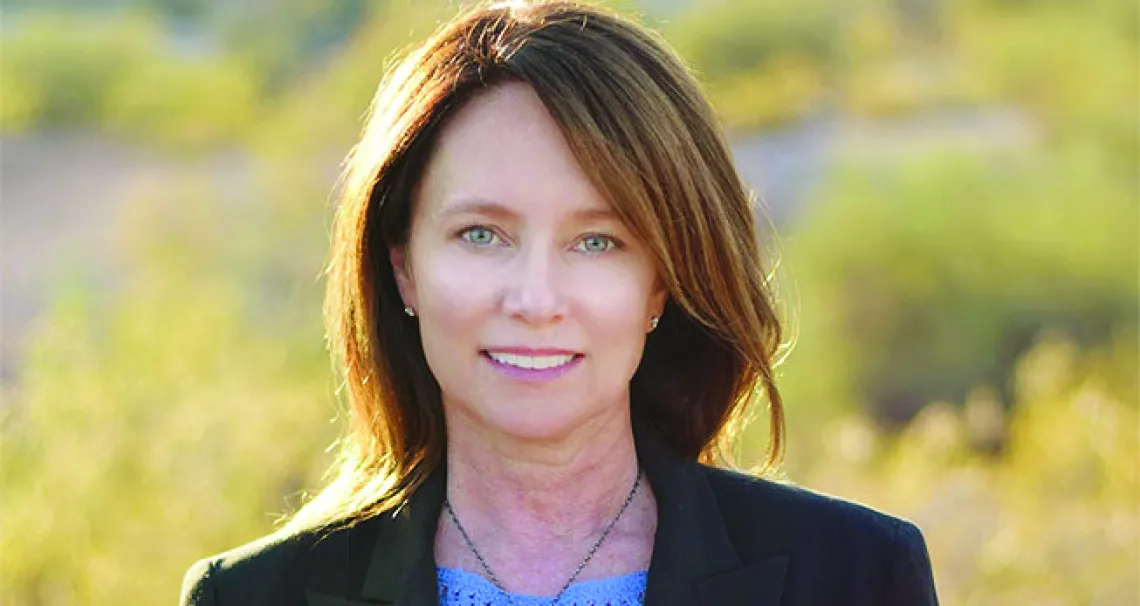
(411, 311)
(653, 323)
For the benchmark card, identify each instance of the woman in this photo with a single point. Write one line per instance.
(548, 299)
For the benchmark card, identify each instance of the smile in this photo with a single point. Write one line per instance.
(532, 367)
(530, 362)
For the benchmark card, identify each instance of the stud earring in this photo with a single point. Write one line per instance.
(411, 311)
(653, 323)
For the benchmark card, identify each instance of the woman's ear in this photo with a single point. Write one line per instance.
(402, 270)
(658, 297)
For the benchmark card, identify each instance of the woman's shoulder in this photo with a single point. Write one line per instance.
(760, 509)
(838, 551)
(239, 573)
(252, 572)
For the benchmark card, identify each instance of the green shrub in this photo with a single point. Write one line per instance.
(66, 64)
(123, 76)
(923, 280)
(184, 104)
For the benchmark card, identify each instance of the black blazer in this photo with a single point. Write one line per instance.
(722, 539)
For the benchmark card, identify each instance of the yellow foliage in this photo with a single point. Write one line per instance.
(184, 105)
(784, 89)
(19, 101)
(178, 418)
(1053, 519)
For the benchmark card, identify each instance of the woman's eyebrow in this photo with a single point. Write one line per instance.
(602, 213)
(483, 206)
(476, 206)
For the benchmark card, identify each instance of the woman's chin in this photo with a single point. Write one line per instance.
(536, 430)
(537, 426)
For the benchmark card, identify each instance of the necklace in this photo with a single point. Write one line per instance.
(582, 566)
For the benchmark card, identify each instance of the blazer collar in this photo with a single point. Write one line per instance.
(402, 567)
(693, 561)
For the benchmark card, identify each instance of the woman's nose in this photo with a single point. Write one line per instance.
(532, 289)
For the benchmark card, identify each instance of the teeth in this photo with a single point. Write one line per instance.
(530, 362)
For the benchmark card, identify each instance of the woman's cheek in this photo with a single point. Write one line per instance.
(614, 296)
(459, 284)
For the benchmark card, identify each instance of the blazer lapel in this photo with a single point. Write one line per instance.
(385, 560)
(693, 559)
(758, 584)
(402, 567)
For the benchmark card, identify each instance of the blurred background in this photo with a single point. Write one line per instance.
(954, 184)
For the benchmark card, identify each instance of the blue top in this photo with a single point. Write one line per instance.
(462, 588)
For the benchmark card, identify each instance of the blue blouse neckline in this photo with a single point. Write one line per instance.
(463, 588)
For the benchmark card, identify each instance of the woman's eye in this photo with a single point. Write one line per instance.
(478, 235)
(596, 244)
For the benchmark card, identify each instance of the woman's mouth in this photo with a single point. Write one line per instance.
(532, 367)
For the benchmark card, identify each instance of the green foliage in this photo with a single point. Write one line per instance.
(722, 39)
(284, 40)
(188, 104)
(65, 65)
(783, 90)
(1075, 66)
(763, 61)
(124, 77)
(772, 61)
(922, 280)
(325, 110)
(20, 103)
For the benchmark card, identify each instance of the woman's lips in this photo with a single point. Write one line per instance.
(512, 365)
(531, 351)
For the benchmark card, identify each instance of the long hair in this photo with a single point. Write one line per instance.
(637, 123)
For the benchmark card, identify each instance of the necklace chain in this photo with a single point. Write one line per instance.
(582, 566)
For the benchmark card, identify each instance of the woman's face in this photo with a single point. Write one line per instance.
(533, 299)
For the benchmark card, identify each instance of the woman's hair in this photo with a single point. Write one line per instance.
(637, 123)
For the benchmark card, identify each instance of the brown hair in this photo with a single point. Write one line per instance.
(638, 124)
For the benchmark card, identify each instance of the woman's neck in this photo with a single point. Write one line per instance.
(524, 487)
(533, 508)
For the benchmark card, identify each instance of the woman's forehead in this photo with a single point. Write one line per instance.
(502, 152)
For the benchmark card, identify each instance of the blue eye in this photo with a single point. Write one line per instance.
(478, 235)
(596, 244)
